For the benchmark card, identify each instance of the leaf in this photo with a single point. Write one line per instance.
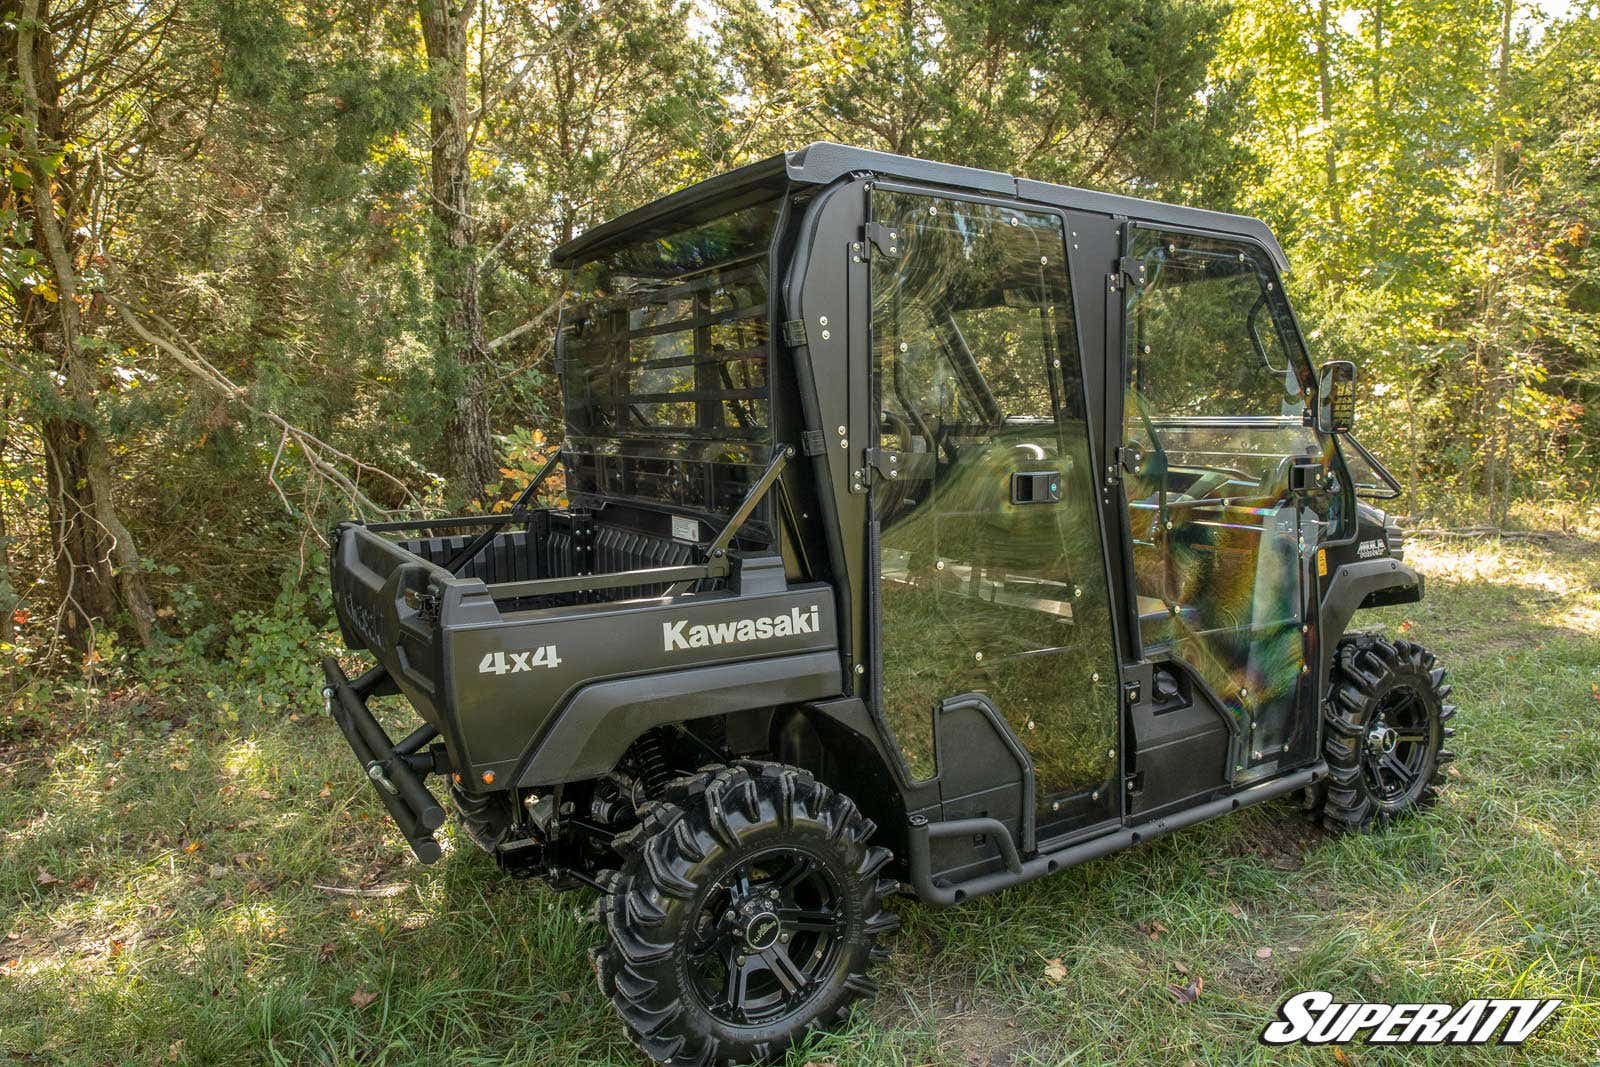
(115, 947)
(362, 997)
(1263, 953)
(1233, 909)
(1180, 968)
(564, 997)
(1054, 971)
(325, 953)
(20, 617)
(46, 878)
(1187, 994)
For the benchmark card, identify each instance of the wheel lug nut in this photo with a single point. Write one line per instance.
(739, 960)
(730, 916)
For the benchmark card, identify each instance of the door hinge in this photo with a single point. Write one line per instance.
(1132, 269)
(794, 333)
(883, 238)
(1114, 468)
(885, 462)
(1134, 784)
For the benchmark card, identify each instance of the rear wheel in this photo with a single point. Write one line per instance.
(1387, 724)
(747, 911)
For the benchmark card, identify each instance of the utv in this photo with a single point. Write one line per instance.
(915, 528)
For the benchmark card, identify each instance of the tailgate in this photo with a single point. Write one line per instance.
(386, 600)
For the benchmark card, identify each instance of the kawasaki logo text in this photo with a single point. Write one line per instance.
(678, 635)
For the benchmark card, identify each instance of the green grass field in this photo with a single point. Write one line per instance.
(178, 888)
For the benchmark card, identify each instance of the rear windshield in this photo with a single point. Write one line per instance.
(663, 357)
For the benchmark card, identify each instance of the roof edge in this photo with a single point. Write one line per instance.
(824, 162)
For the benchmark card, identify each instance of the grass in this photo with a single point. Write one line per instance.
(163, 877)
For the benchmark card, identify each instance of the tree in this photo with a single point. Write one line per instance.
(461, 353)
(56, 171)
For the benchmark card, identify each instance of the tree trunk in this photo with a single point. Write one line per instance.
(1325, 107)
(461, 354)
(1498, 465)
(96, 560)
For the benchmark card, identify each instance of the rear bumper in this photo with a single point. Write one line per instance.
(395, 770)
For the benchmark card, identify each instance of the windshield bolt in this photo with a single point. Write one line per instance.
(861, 669)
(1015, 221)
(1147, 350)
(855, 246)
(1044, 261)
(904, 347)
(841, 431)
(1056, 363)
(1095, 677)
(844, 443)
(822, 320)
(977, 657)
(826, 335)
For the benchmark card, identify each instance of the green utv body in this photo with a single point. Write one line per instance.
(918, 528)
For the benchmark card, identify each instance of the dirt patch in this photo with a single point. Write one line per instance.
(1280, 837)
(972, 1029)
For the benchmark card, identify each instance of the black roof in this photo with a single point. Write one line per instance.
(823, 162)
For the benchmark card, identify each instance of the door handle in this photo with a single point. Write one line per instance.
(1036, 487)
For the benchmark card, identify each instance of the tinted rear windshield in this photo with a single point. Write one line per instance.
(663, 356)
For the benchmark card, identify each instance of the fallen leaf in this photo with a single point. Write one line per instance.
(1263, 953)
(1187, 994)
(193, 846)
(46, 878)
(115, 947)
(1055, 971)
(325, 953)
(1180, 968)
(362, 997)
(1339, 1055)
(248, 859)
(564, 997)
(21, 616)
(1233, 909)
(325, 792)
(1406, 626)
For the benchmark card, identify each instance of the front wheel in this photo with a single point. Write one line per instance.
(1387, 723)
(746, 911)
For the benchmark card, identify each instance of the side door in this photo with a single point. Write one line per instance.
(1221, 477)
(990, 572)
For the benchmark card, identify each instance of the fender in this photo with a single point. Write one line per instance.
(1369, 583)
(595, 727)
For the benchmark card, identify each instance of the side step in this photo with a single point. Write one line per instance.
(1018, 870)
(392, 769)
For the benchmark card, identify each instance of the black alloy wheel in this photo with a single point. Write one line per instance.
(747, 910)
(1387, 722)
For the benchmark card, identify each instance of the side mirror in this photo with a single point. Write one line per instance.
(1336, 396)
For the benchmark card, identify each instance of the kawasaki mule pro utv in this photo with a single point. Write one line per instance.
(923, 528)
